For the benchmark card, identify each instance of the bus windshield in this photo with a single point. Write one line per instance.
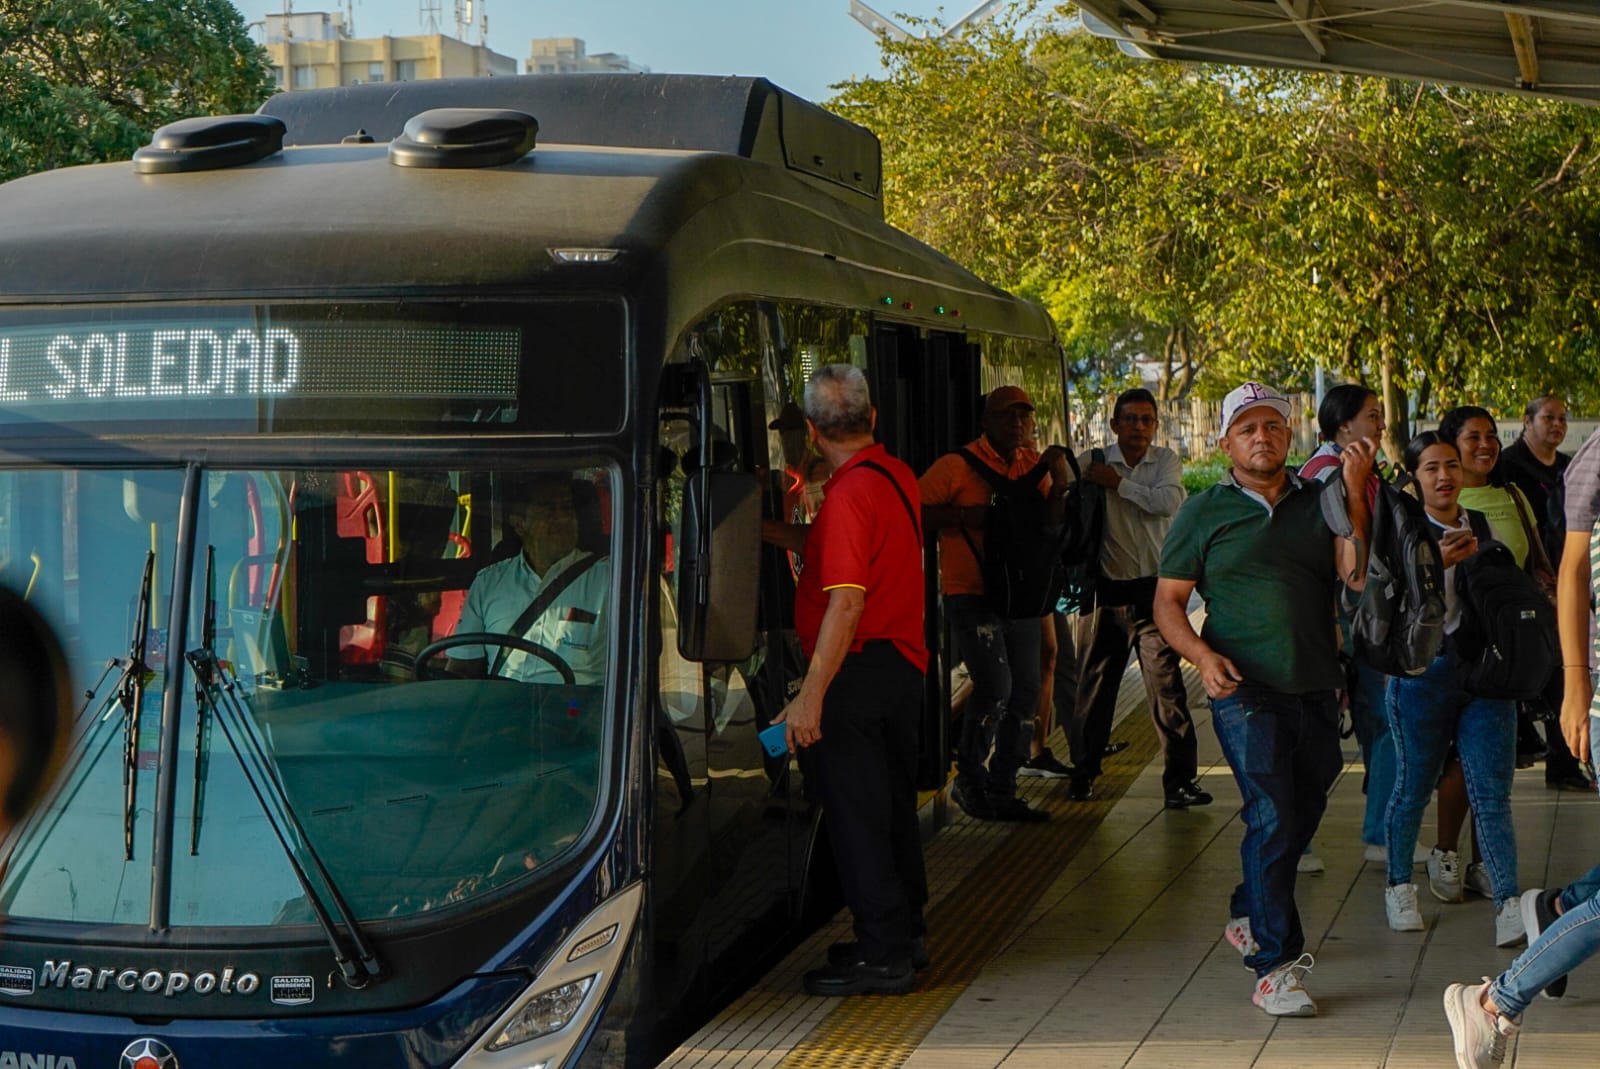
(419, 660)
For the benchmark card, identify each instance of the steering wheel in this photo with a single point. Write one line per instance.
(420, 669)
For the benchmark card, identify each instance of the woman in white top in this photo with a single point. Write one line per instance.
(1429, 712)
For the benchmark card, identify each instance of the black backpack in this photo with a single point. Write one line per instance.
(1506, 645)
(1398, 623)
(1021, 562)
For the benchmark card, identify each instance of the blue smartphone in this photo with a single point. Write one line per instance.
(774, 740)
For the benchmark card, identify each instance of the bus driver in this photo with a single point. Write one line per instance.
(553, 593)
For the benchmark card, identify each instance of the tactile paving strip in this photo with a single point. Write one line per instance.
(969, 925)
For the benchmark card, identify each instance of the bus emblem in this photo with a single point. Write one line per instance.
(148, 1054)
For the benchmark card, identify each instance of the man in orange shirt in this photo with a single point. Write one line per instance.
(1001, 654)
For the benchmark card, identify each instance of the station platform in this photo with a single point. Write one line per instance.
(1096, 941)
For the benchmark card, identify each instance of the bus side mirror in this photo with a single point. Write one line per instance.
(35, 708)
(719, 567)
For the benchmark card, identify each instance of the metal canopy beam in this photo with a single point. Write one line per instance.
(1548, 47)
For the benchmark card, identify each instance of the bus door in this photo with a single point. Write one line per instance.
(926, 388)
(721, 826)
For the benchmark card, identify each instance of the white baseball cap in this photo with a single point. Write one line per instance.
(1250, 395)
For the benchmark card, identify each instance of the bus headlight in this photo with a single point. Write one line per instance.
(548, 1011)
(540, 1028)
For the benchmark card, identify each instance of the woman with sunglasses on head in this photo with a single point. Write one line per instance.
(1430, 712)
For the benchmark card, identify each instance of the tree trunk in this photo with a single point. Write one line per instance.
(1164, 381)
(1396, 410)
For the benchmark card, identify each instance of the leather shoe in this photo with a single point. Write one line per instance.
(840, 954)
(1080, 789)
(973, 802)
(1187, 794)
(1575, 781)
(859, 978)
(1017, 811)
(1113, 747)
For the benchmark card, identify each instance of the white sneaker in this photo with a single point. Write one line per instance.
(1477, 880)
(1282, 992)
(1480, 1036)
(1444, 875)
(1310, 864)
(1237, 933)
(1400, 906)
(1508, 927)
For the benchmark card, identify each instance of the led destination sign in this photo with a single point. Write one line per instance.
(114, 364)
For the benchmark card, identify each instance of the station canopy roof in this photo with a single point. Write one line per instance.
(1548, 48)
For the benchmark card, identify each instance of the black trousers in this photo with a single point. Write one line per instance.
(1104, 639)
(866, 761)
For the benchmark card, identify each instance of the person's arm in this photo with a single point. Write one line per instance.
(1350, 554)
(838, 630)
(1165, 495)
(790, 536)
(1572, 620)
(1171, 613)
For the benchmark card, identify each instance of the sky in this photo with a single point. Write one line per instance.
(802, 45)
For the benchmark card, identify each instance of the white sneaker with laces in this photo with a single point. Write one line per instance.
(1508, 927)
(1238, 936)
(1480, 1035)
(1282, 992)
(1444, 875)
(1476, 880)
(1400, 906)
(1310, 864)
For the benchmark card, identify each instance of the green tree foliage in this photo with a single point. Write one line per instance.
(83, 81)
(1228, 222)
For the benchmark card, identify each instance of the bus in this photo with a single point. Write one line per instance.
(274, 392)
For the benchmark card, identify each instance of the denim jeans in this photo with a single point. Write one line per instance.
(1425, 713)
(1284, 752)
(1573, 939)
(1371, 720)
(1003, 659)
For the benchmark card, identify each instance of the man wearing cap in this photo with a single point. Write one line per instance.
(1002, 655)
(1261, 556)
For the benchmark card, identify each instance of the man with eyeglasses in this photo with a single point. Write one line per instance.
(1144, 488)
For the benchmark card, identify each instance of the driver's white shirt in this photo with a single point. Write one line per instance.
(574, 627)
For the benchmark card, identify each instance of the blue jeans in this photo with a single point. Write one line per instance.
(1573, 939)
(1003, 659)
(1425, 713)
(1284, 752)
(1371, 720)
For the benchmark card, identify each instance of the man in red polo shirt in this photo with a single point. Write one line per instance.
(1001, 654)
(859, 614)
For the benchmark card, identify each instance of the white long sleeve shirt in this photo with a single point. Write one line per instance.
(1139, 511)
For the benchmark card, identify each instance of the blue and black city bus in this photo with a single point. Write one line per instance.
(268, 393)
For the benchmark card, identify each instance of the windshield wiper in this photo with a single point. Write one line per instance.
(219, 690)
(202, 723)
(130, 692)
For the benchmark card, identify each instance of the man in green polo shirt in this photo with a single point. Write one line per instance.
(1257, 549)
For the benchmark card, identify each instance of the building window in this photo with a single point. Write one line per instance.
(278, 78)
(405, 70)
(374, 72)
(305, 77)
